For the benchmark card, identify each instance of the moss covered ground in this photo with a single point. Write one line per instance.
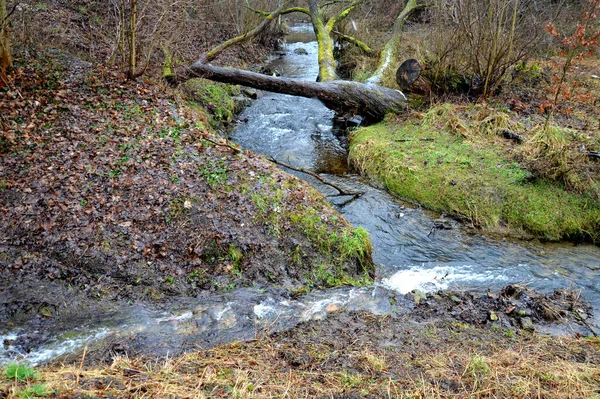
(451, 159)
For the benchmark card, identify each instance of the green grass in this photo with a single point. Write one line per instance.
(20, 372)
(458, 170)
(35, 391)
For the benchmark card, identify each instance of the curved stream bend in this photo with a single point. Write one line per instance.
(410, 252)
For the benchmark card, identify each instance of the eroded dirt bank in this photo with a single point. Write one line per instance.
(115, 193)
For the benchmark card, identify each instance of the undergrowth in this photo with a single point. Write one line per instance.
(434, 361)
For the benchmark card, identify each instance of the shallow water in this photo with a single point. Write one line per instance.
(409, 252)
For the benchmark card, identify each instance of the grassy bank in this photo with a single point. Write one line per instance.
(452, 160)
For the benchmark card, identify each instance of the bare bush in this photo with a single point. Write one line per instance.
(474, 43)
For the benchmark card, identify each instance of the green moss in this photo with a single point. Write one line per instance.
(342, 249)
(217, 98)
(445, 170)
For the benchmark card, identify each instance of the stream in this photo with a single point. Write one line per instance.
(408, 251)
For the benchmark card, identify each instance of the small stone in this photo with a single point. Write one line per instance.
(493, 316)
(521, 313)
(301, 51)
(45, 311)
(332, 307)
(455, 299)
(582, 315)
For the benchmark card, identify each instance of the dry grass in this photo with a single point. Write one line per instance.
(452, 361)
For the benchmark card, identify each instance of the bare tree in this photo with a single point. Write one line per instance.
(5, 52)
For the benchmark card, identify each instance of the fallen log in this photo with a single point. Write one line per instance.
(345, 97)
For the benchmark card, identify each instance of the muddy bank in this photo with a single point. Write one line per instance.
(515, 310)
(115, 193)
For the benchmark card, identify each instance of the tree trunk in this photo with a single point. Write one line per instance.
(132, 39)
(325, 44)
(5, 53)
(388, 54)
(370, 101)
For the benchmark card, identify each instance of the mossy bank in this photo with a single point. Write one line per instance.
(454, 160)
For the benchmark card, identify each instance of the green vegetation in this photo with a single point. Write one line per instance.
(217, 98)
(35, 391)
(337, 242)
(215, 173)
(20, 372)
(453, 162)
(22, 377)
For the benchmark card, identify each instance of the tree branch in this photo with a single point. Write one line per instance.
(261, 12)
(216, 51)
(316, 176)
(295, 9)
(342, 15)
(362, 45)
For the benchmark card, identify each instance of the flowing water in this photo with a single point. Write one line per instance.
(409, 252)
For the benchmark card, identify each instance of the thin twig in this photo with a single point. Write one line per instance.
(421, 139)
(316, 176)
(81, 365)
(226, 144)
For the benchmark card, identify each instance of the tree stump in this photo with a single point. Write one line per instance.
(408, 73)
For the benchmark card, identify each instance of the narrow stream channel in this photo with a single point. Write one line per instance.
(408, 253)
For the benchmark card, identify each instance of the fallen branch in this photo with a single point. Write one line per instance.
(507, 134)
(593, 155)
(346, 97)
(364, 47)
(316, 176)
(236, 150)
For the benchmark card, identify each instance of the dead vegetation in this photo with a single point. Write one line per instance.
(354, 356)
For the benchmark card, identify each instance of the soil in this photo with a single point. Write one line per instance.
(115, 192)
